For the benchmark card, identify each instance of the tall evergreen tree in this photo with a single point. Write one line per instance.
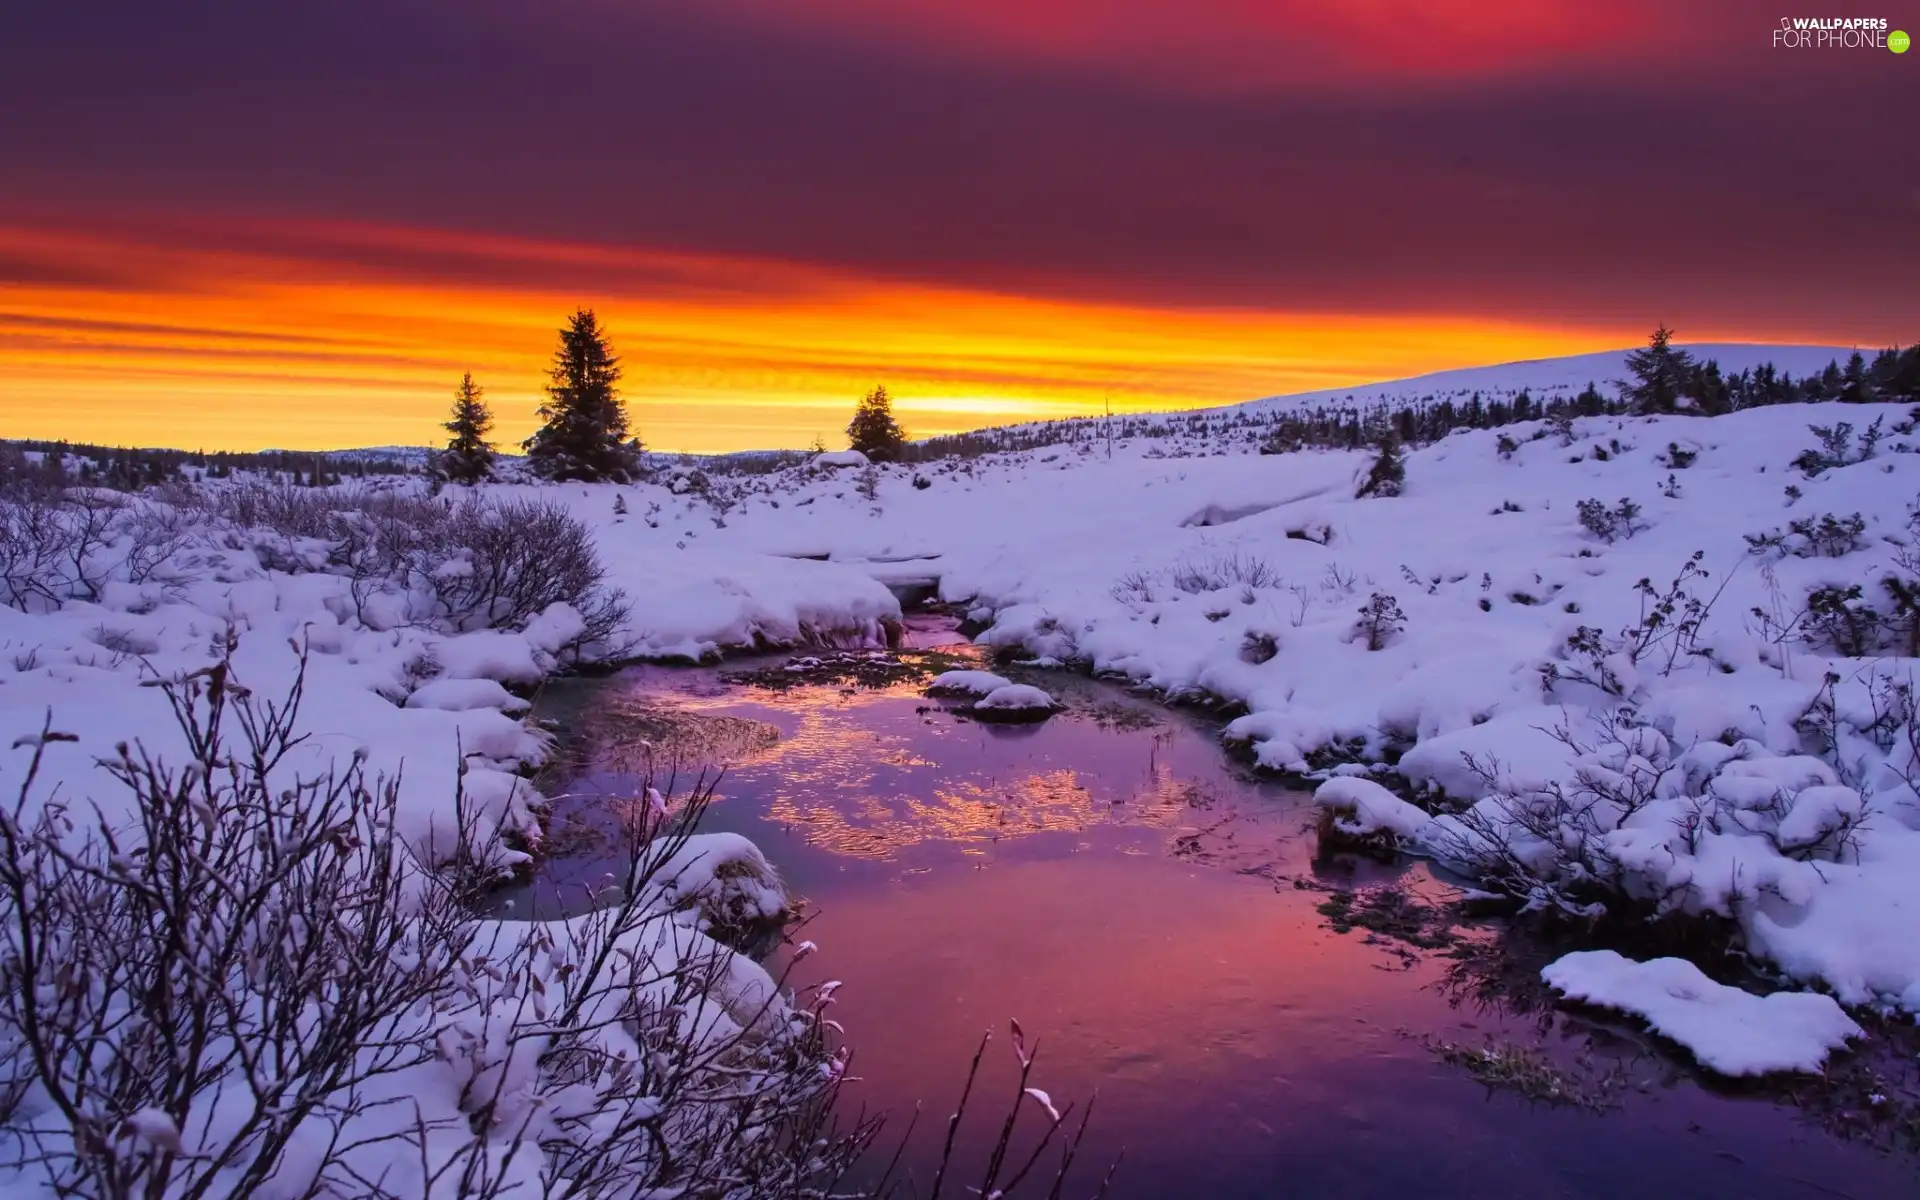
(468, 457)
(873, 431)
(1661, 374)
(1856, 384)
(585, 435)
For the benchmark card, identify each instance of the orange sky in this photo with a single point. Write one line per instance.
(287, 341)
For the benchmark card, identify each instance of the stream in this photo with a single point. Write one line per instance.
(1153, 915)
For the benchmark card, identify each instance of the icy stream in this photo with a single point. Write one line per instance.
(1150, 912)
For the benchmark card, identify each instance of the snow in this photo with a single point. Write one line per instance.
(1192, 568)
(1562, 378)
(1729, 1031)
(1362, 806)
(1016, 697)
(966, 683)
(462, 695)
(840, 458)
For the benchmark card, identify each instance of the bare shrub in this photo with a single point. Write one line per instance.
(59, 544)
(259, 978)
(1553, 845)
(1195, 577)
(481, 563)
(273, 955)
(1665, 637)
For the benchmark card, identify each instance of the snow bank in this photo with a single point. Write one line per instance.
(694, 603)
(1729, 1031)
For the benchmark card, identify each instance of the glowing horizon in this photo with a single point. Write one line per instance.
(281, 341)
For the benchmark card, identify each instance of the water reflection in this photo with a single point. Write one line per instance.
(959, 874)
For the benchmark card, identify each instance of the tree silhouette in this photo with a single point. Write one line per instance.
(873, 431)
(468, 457)
(1661, 374)
(585, 435)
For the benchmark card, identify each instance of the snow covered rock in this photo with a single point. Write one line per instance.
(966, 683)
(724, 880)
(1014, 702)
(840, 458)
(1361, 807)
(1730, 1031)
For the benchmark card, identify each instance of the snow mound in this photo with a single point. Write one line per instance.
(724, 879)
(1730, 1031)
(1017, 697)
(464, 695)
(1361, 806)
(840, 458)
(967, 683)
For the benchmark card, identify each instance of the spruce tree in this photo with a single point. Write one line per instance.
(1660, 374)
(585, 436)
(1387, 475)
(468, 457)
(873, 431)
(1856, 384)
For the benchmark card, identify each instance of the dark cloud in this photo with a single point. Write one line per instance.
(1689, 174)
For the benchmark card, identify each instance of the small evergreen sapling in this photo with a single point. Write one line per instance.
(1388, 474)
(468, 457)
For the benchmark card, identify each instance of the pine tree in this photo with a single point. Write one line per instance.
(1590, 403)
(1660, 373)
(585, 435)
(1708, 389)
(468, 457)
(1856, 385)
(873, 431)
(1387, 475)
(1900, 379)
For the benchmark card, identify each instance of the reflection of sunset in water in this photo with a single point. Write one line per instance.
(851, 772)
(1148, 912)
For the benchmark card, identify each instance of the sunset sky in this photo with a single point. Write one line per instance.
(236, 224)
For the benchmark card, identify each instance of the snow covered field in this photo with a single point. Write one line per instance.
(1668, 706)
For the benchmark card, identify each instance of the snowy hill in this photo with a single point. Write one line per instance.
(1619, 667)
(1547, 378)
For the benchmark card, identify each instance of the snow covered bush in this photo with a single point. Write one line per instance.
(1825, 536)
(483, 562)
(1380, 619)
(254, 985)
(1388, 474)
(61, 544)
(1839, 448)
(1611, 524)
(1636, 824)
